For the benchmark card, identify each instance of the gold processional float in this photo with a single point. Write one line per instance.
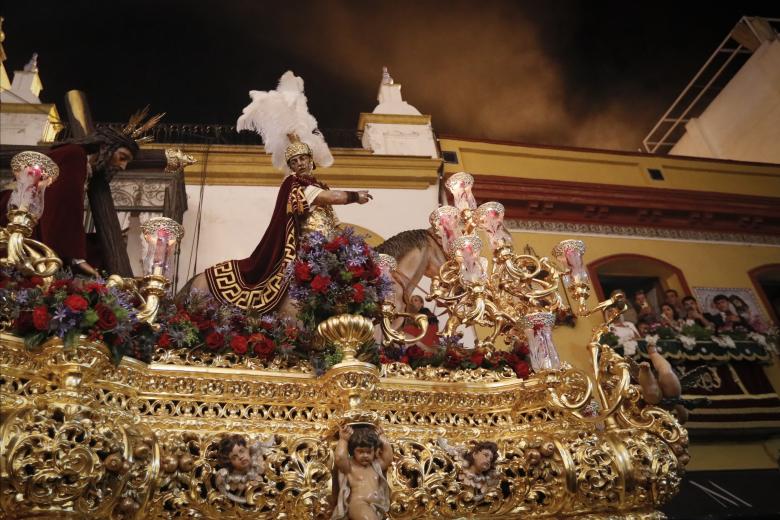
(82, 437)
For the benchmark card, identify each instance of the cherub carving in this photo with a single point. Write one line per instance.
(477, 465)
(363, 454)
(241, 464)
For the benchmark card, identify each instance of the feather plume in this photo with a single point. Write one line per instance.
(276, 113)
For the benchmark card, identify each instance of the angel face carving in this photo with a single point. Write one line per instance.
(482, 458)
(242, 465)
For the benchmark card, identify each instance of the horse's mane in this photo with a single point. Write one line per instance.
(399, 245)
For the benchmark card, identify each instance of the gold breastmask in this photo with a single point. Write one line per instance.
(320, 218)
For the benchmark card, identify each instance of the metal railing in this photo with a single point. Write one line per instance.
(746, 36)
(197, 133)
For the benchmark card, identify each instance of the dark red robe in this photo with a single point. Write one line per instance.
(260, 281)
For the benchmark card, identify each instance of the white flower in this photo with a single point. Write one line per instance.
(724, 341)
(688, 342)
(759, 338)
(651, 340)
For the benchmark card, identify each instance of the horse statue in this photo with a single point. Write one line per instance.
(417, 252)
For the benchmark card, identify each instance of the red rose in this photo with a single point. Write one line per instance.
(302, 271)
(267, 324)
(522, 369)
(205, 325)
(291, 332)
(164, 341)
(477, 358)
(95, 287)
(41, 317)
(239, 344)
(376, 271)
(215, 341)
(106, 317)
(24, 323)
(320, 284)
(360, 292)
(262, 345)
(415, 352)
(404, 359)
(76, 303)
(522, 349)
(357, 271)
(58, 284)
(181, 315)
(336, 243)
(29, 283)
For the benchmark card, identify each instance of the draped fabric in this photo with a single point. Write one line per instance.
(260, 281)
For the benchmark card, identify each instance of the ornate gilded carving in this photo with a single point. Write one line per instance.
(557, 454)
(177, 160)
(64, 453)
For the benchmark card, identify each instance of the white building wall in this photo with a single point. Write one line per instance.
(234, 219)
(743, 122)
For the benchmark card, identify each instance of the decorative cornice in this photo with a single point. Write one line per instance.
(232, 165)
(43, 109)
(392, 119)
(631, 206)
(587, 228)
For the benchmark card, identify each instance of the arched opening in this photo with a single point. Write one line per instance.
(632, 273)
(766, 280)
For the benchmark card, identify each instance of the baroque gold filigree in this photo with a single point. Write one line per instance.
(554, 459)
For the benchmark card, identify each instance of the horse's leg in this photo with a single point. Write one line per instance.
(287, 307)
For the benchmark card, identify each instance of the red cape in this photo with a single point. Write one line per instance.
(260, 281)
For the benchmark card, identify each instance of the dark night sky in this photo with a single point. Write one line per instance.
(596, 74)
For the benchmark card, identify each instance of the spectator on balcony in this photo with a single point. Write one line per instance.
(725, 319)
(429, 341)
(643, 307)
(693, 313)
(743, 310)
(630, 314)
(670, 318)
(643, 326)
(673, 299)
(624, 330)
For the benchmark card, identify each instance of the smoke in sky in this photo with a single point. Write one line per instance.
(567, 74)
(481, 70)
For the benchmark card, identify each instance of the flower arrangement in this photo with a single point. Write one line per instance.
(450, 354)
(202, 322)
(336, 274)
(71, 307)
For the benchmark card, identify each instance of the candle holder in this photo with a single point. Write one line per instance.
(575, 279)
(390, 335)
(33, 172)
(538, 332)
(445, 221)
(159, 238)
(466, 250)
(460, 186)
(490, 218)
(501, 295)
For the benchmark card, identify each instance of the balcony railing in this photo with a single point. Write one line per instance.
(185, 133)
